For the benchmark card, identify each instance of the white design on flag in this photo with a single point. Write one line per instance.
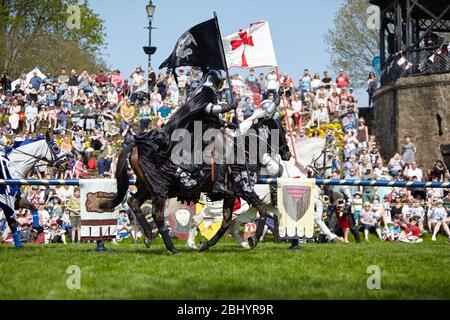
(185, 40)
(250, 48)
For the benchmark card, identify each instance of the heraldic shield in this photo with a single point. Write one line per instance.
(296, 206)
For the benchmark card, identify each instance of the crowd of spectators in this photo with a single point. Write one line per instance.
(95, 115)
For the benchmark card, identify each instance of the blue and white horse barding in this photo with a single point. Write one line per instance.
(15, 163)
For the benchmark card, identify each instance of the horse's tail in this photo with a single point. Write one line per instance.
(123, 180)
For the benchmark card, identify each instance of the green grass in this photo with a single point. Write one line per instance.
(320, 271)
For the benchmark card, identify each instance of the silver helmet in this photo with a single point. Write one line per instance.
(269, 107)
(214, 79)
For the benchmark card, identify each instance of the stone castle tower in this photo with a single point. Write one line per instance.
(414, 98)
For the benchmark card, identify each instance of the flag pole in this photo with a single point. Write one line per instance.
(288, 124)
(222, 52)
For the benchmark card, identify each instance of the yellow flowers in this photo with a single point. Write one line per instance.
(336, 128)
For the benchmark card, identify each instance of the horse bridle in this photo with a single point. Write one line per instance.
(55, 161)
(324, 154)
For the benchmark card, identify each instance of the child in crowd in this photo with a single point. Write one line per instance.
(55, 234)
(357, 206)
(411, 233)
(394, 230)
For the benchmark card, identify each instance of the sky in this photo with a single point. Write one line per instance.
(297, 27)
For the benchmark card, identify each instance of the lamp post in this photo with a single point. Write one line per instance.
(150, 50)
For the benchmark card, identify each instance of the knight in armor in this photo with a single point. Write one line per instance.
(202, 106)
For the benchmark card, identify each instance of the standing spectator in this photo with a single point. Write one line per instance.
(372, 85)
(136, 77)
(90, 115)
(272, 83)
(116, 79)
(73, 82)
(73, 206)
(368, 191)
(35, 81)
(5, 81)
(151, 78)
(63, 80)
(327, 81)
(63, 113)
(31, 112)
(342, 80)
(363, 134)
(408, 151)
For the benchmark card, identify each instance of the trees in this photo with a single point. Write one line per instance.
(36, 32)
(351, 43)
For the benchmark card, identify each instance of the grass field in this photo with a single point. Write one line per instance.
(320, 271)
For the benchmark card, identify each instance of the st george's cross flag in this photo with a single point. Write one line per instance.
(250, 48)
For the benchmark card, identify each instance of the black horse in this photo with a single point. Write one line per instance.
(158, 182)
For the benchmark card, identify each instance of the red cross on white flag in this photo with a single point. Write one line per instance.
(250, 48)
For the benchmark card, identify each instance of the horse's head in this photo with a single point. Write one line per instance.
(55, 156)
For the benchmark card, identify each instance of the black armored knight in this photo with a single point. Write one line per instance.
(201, 107)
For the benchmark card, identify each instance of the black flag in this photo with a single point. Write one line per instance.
(200, 46)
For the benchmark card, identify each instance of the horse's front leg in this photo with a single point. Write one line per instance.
(228, 205)
(158, 217)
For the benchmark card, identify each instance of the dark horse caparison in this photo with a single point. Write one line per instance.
(165, 184)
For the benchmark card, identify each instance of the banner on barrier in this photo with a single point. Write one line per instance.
(97, 223)
(296, 206)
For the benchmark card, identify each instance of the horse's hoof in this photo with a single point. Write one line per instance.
(191, 246)
(147, 242)
(203, 247)
(252, 242)
(174, 252)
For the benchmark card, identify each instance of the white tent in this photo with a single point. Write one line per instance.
(29, 76)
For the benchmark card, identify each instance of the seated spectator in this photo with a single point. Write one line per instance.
(368, 222)
(438, 219)
(25, 233)
(394, 231)
(411, 233)
(55, 234)
(164, 114)
(123, 225)
(105, 159)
